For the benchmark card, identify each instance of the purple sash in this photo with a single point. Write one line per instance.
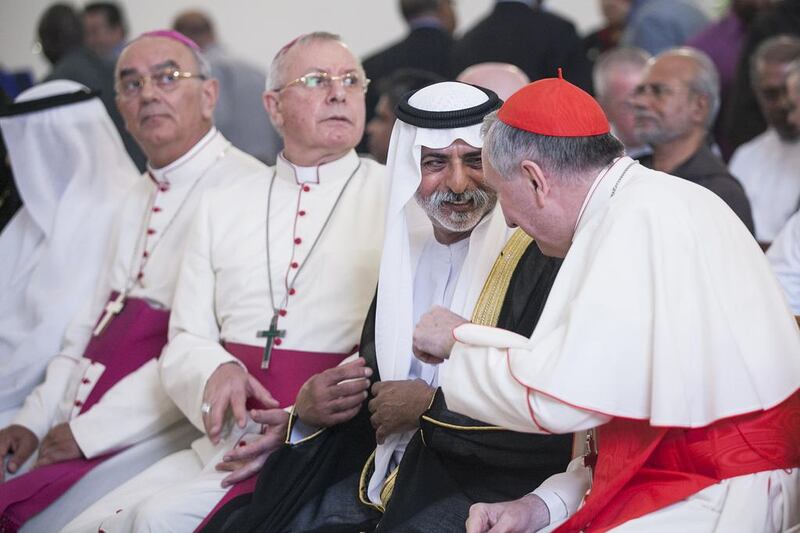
(132, 338)
(288, 370)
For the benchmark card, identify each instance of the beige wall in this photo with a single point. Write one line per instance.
(255, 29)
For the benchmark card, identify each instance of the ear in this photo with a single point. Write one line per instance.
(700, 108)
(273, 106)
(210, 96)
(533, 174)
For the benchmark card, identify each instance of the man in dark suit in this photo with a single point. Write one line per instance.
(426, 47)
(521, 33)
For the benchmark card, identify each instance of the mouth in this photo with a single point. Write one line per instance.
(150, 117)
(460, 206)
(337, 120)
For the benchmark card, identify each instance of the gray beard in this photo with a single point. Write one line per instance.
(482, 200)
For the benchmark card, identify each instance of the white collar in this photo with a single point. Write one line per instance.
(181, 169)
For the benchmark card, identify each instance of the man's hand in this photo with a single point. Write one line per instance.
(231, 385)
(57, 446)
(333, 396)
(525, 515)
(397, 406)
(433, 336)
(245, 461)
(17, 443)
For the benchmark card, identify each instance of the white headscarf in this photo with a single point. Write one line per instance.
(408, 229)
(72, 171)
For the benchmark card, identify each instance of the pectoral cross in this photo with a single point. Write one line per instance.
(113, 308)
(271, 334)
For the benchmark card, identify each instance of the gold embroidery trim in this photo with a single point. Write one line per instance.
(362, 485)
(289, 426)
(461, 428)
(487, 309)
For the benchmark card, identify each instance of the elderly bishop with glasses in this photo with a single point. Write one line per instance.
(101, 415)
(279, 272)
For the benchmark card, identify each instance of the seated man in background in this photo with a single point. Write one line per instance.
(767, 166)
(102, 393)
(674, 107)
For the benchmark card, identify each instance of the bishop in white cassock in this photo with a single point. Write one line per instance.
(102, 393)
(665, 330)
(69, 161)
(292, 252)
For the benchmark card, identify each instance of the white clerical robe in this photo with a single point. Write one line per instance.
(136, 410)
(223, 296)
(767, 167)
(664, 310)
(784, 256)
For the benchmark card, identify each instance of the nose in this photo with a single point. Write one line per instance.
(148, 90)
(336, 91)
(457, 180)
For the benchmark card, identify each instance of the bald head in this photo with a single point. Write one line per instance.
(197, 26)
(503, 78)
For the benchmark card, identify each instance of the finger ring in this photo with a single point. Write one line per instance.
(205, 408)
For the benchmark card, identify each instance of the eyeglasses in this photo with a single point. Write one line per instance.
(166, 80)
(323, 80)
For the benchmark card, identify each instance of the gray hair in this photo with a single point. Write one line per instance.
(622, 58)
(705, 81)
(203, 66)
(276, 76)
(779, 49)
(569, 160)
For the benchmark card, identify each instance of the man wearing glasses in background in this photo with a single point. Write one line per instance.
(101, 414)
(278, 275)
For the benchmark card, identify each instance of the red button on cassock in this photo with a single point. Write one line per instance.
(282, 312)
(301, 213)
(306, 188)
(150, 231)
(298, 240)
(278, 342)
(156, 209)
(78, 403)
(291, 292)
(85, 381)
(295, 264)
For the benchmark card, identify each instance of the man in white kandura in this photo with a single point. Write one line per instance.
(277, 278)
(68, 160)
(102, 393)
(665, 330)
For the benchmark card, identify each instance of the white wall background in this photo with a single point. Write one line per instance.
(255, 29)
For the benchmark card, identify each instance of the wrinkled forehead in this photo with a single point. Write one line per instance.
(151, 53)
(458, 145)
(328, 56)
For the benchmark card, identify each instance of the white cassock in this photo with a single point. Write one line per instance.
(72, 173)
(784, 256)
(136, 410)
(223, 297)
(665, 311)
(767, 167)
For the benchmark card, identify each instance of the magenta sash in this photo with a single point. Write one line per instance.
(288, 370)
(135, 336)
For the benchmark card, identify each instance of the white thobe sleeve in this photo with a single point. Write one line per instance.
(477, 382)
(194, 351)
(133, 410)
(563, 493)
(784, 256)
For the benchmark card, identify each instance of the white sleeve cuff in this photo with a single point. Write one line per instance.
(555, 505)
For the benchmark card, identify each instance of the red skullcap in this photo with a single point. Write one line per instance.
(554, 107)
